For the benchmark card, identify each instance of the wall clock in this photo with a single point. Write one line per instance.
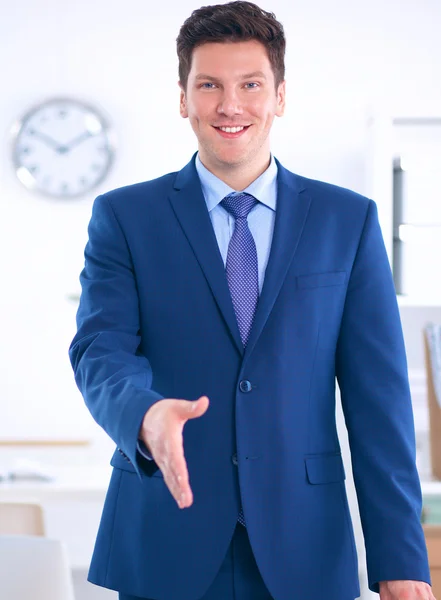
(62, 148)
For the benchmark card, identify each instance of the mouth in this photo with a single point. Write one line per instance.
(232, 134)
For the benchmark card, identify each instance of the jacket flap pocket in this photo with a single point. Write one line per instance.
(120, 462)
(321, 279)
(325, 469)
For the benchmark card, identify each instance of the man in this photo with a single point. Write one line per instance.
(226, 298)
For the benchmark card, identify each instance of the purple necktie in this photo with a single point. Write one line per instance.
(241, 268)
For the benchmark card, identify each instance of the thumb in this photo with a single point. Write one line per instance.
(197, 408)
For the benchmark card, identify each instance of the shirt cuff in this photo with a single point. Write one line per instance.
(142, 449)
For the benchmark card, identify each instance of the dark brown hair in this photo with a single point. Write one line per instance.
(233, 22)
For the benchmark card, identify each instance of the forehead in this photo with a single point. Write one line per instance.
(230, 59)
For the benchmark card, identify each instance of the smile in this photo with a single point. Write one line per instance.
(232, 132)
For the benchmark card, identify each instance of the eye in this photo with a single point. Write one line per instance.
(253, 83)
(204, 84)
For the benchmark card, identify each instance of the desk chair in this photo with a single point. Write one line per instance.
(21, 518)
(33, 567)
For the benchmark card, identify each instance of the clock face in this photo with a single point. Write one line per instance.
(62, 148)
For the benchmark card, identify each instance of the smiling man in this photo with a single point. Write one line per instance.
(219, 305)
(231, 96)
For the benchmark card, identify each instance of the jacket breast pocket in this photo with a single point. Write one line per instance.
(325, 468)
(314, 280)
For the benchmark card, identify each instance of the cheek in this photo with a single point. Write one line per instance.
(261, 108)
(202, 108)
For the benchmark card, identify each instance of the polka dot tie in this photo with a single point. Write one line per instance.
(242, 268)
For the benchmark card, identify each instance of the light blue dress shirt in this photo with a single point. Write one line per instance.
(260, 219)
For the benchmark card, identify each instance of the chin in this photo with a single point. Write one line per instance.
(232, 161)
(232, 158)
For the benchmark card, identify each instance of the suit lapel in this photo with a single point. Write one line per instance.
(291, 212)
(191, 211)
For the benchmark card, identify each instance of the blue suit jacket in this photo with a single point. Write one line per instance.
(156, 321)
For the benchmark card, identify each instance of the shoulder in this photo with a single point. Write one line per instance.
(321, 191)
(129, 197)
(334, 196)
(332, 202)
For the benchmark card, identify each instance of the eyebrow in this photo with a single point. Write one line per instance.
(246, 76)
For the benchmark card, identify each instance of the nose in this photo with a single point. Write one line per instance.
(230, 104)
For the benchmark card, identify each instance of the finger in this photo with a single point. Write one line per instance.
(175, 468)
(179, 472)
(181, 493)
(173, 489)
(196, 408)
(186, 495)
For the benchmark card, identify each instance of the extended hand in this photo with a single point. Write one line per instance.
(161, 432)
(405, 590)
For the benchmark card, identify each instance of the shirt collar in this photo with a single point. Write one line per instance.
(214, 189)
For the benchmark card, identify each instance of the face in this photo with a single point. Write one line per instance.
(232, 85)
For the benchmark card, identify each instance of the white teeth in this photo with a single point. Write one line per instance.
(231, 129)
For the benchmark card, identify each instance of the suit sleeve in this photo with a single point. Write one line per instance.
(371, 369)
(114, 377)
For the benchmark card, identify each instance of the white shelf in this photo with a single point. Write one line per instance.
(390, 136)
(415, 302)
(431, 488)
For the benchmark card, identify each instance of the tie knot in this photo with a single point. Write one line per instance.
(239, 204)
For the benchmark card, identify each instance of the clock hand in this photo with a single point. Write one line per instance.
(78, 140)
(48, 140)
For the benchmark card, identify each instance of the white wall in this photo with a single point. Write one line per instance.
(344, 58)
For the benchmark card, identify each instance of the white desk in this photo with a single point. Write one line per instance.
(89, 484)
(74, 501)
(72, 506)
(71, 483)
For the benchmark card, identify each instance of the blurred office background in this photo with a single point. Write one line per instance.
(363, 111)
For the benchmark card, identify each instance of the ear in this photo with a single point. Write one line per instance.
(281, 98)
(182, 102)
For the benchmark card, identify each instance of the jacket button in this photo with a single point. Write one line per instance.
(245, 386)
(234, 459)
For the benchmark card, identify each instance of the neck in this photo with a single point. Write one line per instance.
(239, 175)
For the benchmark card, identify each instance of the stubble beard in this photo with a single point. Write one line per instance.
(224, 163)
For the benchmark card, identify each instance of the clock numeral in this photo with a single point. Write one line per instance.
(31, 131)
(83, 180)
(25, 150)
(33, 169)
(64, 187)
(62, 113)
